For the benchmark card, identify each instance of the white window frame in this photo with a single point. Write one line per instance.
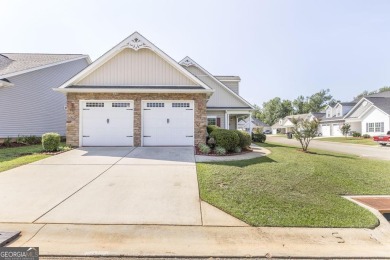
(375, 127)
(212, 117)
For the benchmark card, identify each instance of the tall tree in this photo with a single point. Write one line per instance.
(318, 101)
(274, 109)
(299, 105)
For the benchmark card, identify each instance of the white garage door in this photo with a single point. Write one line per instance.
(325, 128)
(336, 130)
(168, 123)
(107, 123)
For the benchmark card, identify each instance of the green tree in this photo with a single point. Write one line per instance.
(318, 101)
(299, 105)
(274, 109)
(304, 131)
(345, 129)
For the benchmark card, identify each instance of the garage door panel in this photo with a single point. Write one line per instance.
(171, 123)
(110, 124)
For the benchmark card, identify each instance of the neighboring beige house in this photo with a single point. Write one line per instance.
(136, 95)
(247, 125)
(285, 125)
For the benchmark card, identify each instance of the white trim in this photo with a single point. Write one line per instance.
(223, 80)
(165, 100)
(356, 106)
(127, 43)
(45, 66)
(193, 63)
(81, 101)
(119, 90)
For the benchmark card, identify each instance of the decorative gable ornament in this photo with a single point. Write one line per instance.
(136, 43)
(187, 62)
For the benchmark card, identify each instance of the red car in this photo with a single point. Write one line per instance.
(383, 139)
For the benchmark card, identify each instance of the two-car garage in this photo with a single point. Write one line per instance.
(160, 123)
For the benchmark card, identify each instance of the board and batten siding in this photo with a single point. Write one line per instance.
(233, 85)
(136, 68)
(31, 107)
(221, 96)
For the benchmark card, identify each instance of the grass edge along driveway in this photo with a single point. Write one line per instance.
(17, 156)
(289, 188)
(349, 140)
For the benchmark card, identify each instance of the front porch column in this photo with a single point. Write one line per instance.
(227, 118)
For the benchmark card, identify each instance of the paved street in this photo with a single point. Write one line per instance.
(377, 152)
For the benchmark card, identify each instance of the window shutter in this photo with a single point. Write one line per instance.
(218, 121)
(366, 127)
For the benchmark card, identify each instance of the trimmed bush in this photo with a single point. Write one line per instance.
(356, 134)
(366, 136)
(227, 139)
(245, 138)
(211, 128)
(51, 142)
(203, 148)
(259, 137)
(237, 149)
(28, 139)
(220, 150)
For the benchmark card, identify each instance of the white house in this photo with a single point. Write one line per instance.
(254, 123)
(371, 115)
(285, 125)
(333, 119)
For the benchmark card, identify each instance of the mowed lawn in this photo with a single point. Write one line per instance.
(349, 140)
(295, 189)
(14, 157)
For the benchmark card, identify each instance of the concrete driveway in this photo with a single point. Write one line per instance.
(367, 151)
(105, 185)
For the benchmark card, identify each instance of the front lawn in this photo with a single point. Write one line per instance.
(349, 140)
(14, 157)
(295, 189)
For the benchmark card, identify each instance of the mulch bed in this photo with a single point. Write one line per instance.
(212, 153)
(12, 145)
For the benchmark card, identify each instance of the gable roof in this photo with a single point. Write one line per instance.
(187, 61)
(255, 122)
(136, 42)
(381, 94)
(12, 64)
(382, 103)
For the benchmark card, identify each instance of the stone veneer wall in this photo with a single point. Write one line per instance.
(72, 122)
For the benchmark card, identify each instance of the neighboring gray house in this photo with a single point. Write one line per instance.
(245, 125)
(333, 119)
(28, 104)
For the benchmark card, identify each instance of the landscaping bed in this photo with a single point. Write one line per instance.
(289, 188)
(213, 153)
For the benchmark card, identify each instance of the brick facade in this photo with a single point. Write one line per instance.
(72, 122)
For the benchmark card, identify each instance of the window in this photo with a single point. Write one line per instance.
(180, 104)
(376, 127)
(155, 104)
(211, 121)
(95, 104)
(120, 104)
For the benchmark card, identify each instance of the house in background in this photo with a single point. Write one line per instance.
(136, 95)
(285, 125)
(28, 104)
(333, 119)
(371, 115)
(246, 125)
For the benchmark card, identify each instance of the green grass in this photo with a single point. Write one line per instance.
(290, 188)
(350, 140)
(14, 157)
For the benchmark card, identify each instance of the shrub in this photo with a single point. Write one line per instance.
(211, 142)
(7, 142)
(28, 139)
(366, 136)
(220, 150)
(203, 148)
(211, 128)
(356, 134)
(245, 138)
(238, 149)
(51, 142)
(259, 137)
(227, 139)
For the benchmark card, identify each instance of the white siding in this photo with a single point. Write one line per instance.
(31, 107)
(221, 96)
(136, 68)
(375, 116)
(359, 110)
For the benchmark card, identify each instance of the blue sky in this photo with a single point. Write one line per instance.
(279, 48)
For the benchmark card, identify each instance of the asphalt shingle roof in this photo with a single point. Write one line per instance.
(385, 94)
(15, 62)
(383, 103)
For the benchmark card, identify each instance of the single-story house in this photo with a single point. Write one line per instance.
(137, 95)
(371, 115)
(249, 123)
(285, 125)
(28, 105)
(333, 119)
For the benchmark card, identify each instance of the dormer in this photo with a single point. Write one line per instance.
(329, 112)
(231, 82)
